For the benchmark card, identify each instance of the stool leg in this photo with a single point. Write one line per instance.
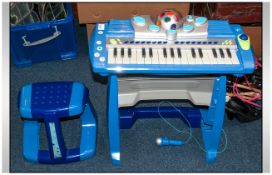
(31, 140)
(88, 133)
(113, 120)
(55, 140)
(212, 123)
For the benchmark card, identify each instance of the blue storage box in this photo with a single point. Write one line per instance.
(44, 41)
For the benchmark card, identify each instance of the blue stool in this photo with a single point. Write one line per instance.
(50, 102)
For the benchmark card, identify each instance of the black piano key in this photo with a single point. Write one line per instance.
(179, 53)
(200, 52)
(150, 53)
(164, 53)
(221, 53)
(143, 53)
(228, 52)
(122, 52)
(193, 52)
(172, 52)
(129, 52)
(115, 52)
(214, 53)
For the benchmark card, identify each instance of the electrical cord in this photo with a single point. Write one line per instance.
(190, 128)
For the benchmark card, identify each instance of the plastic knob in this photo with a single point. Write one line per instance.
(154, 28)
(190, 18)
(138, 20)
(200, 21)
(244, 41)
(243, 37)
(171, 35)
(188, 28)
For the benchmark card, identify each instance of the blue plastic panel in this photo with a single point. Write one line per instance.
(129, 115)
(31, 140)
(60, 47)
(25, 101)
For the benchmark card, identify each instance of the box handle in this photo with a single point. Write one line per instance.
(41, 41)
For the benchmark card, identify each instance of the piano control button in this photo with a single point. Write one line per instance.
(143, 53)
(102, 59)
(243, 37)
(193, 52)
(244, 41)
(200, 53)
(96, 54)
(221, 53)
(122, 52)
(189, 18)
(138, 20)
(179, 53)
(164, 53)
(188, 28)
(172, 52)
(150, 53)
(129, 52)
(99, 48)
(200, 21)
(113, 41)
(154, 28)
(228, 52)
(171, 35)
(214, 53)
(115, 52)
(98, 42)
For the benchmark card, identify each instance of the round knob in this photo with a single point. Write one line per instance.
(188, 28)
(154, 28)
(200, 21)
(171, 35)
(189, 18)
(244, 37)
(138, 20)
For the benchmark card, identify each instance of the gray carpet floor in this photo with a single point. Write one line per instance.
(139, 152)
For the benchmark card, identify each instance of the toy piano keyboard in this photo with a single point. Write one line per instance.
(199, 46)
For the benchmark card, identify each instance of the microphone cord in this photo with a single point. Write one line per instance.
(190, 128)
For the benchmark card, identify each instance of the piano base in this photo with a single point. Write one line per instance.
(211, 119)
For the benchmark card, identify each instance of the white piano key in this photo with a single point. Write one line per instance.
(227, 59)
(147, 58)
(198, 60)
(140, 59)
(177, 60)
(234, 58)
(162, 59)
(184, 58)
(119, 59)
(211, 57)
(155, 58)
(111, 58)
(205, 58)
(126, 59)
(190, 58)
(133, 59)
(220, 60)
(169, 59)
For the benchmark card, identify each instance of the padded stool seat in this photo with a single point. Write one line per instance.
(49, 102)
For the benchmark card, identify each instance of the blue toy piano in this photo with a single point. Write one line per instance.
(147, 60)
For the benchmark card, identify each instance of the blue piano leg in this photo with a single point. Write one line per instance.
(113, 120)
(212, 123)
